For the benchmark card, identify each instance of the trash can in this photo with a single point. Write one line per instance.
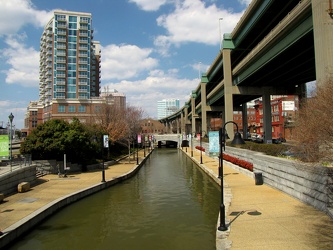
(258, 178)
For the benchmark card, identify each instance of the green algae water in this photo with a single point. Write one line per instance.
(169, 204)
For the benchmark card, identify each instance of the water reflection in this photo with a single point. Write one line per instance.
(169, 204)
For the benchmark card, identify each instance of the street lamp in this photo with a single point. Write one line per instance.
(201, 146)
(220, 38)
(11, 118)
(192, 136)
(105, 144)
(236, 141)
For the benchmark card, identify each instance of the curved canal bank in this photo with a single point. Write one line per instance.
(169, 202)
(22, 211)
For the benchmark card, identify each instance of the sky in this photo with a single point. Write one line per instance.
(151, 49)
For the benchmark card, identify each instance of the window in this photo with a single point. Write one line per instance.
(82, 109)
(34, 123)
(72, 26)
(61, 109)
(73, 18)
(97, 109)
(71, 109)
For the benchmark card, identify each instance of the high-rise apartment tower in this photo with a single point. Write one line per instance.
(69, 63)
(167, 107)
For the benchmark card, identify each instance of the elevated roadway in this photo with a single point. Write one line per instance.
(275, 49)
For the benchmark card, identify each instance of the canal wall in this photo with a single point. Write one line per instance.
(311, 184)
(24, 225)
(9, 180)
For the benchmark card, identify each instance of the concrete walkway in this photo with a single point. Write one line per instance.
(259, 217)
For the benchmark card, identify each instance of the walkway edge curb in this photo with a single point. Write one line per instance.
(222, 241)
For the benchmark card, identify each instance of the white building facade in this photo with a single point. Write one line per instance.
(167, 107)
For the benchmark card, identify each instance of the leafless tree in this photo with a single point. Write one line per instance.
(314, 126)
(133, 116)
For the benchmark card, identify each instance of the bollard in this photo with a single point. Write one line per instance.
(258, 178)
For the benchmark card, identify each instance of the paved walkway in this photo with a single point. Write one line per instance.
(260, 217)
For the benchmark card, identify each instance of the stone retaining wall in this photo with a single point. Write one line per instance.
(9, 181)
(308, 183)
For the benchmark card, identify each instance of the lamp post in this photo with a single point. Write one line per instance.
(220, 19)
(11, 118)
(201, 147)
(236, 141)
(105, 144)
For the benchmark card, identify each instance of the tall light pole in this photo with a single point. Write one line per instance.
(236, 141)
(201, 147)
(11, 118)
(201, 144)
(220, 19)
(105, 144)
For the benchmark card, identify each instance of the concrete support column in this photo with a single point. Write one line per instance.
(267, 112)
(244, 120)
(194, 115)
(228, 99)
(178, 125)
(323, 37)
(182, 123)
(203, 107)
(186, 120)
(165, 127)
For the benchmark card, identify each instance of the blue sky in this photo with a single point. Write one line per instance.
(151, 49)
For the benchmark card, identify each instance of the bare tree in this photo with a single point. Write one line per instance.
(133, 117)
(314, 127)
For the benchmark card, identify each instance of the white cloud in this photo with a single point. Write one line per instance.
(149, 5)
(193, 21)
(15, 14)
(245, 2)
(125, 61)
(24, 62)
(157, 86)
(18, 108)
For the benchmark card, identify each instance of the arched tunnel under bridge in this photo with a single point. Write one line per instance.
(167, 140)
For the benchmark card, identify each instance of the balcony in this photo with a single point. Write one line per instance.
(61, 18)
(83, 33)
(61, 46)
(83, 20)
(61, 60)
(62, 26)
(83, 61)
(62, 32)
(61, 82)
(82, 40)
(61, 53)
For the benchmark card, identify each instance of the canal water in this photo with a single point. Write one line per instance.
(170, 204)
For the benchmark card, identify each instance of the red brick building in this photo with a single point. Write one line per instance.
(283, 110)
